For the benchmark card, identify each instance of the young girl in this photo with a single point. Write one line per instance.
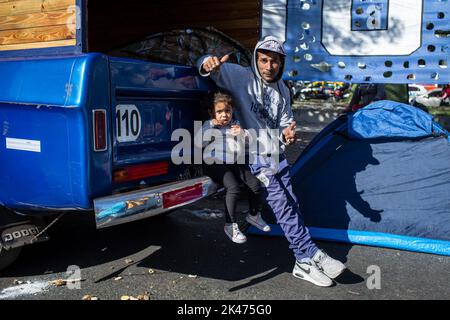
(221, 165)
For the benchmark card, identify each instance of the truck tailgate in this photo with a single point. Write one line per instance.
(150, 102)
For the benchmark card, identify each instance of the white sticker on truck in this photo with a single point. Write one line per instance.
(128, 123)
(23, 145)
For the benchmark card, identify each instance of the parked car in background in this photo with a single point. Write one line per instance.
(429, 87)
(342, 92)
(298, 86)
(319, 90)
(416, 90)
(428, 100)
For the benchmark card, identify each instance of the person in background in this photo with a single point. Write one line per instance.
(445, 95)
(365, 94)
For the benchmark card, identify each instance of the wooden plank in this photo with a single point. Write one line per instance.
(34, 20)
(40, 34)
(20, 7)
(39, 45)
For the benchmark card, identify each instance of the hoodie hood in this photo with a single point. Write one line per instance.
(269, 43)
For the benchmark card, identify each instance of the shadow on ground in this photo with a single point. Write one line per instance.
(179, 242)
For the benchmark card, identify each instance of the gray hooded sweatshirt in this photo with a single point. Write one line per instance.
(257, 103)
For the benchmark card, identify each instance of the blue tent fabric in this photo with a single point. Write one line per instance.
(370, 239)
(380, 177)
(389, 119)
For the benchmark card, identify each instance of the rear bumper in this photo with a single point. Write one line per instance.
(136, 205)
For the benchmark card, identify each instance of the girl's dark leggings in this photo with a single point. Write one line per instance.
(231, 176)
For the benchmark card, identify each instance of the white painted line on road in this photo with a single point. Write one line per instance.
(27, 289)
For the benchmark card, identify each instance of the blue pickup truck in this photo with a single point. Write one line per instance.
(92, 132)
(87, 131)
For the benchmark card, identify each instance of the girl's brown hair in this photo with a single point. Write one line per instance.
(219, 97)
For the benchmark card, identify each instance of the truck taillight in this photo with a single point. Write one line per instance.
(100, 134)
(141, 171)
(182, 196)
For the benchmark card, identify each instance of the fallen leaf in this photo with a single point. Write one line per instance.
(64, 282)
(89, 297)
(59, 283)
(144, 297)
(125, 298)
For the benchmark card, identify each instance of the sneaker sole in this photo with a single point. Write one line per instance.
(334, 276)
(258, 226)
(309, 279)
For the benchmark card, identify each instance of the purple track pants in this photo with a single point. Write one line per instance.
(284, 204)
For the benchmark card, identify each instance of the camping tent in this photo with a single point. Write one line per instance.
(381, 177)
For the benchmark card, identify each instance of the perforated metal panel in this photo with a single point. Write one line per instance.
(379, 41)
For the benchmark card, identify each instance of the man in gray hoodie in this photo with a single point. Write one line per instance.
(263, 103)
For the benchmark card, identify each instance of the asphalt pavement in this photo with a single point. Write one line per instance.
(186, 255)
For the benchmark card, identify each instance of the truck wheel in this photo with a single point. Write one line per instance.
(7, 257)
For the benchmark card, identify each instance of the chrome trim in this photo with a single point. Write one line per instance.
(136, 205)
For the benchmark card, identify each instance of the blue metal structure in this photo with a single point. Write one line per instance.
(373, 41)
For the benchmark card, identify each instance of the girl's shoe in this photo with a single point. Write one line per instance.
(258, 222)
(233, 232)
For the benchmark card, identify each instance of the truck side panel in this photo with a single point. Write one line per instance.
(46, 127)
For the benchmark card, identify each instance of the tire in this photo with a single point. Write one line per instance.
(7, 257)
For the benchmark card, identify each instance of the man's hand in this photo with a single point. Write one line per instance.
(290, 134)
(212, 64)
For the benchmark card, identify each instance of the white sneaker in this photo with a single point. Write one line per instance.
(308, 271)
(258, 222)
(331, 267)
(233, 232)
